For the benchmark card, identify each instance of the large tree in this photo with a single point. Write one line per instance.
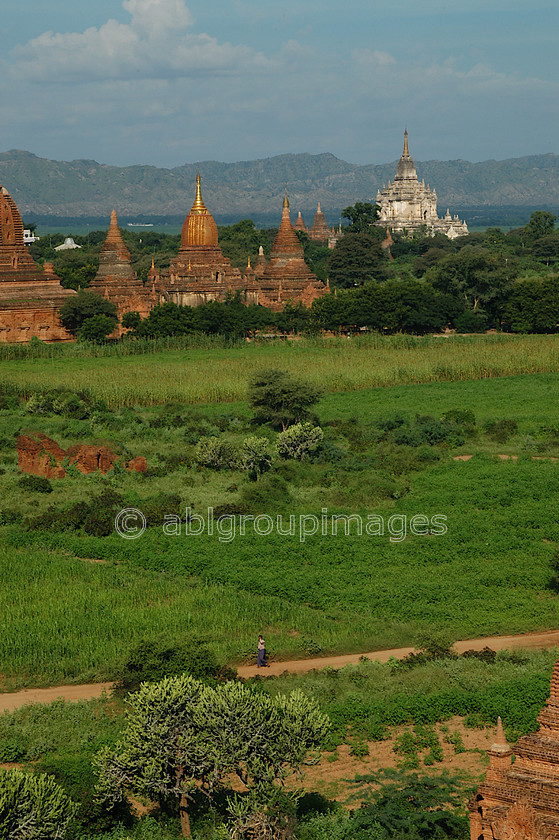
(182, 736)
(76, 310)
(281, 399)
(361, 216)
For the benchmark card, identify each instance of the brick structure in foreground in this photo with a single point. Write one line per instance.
(30, 296)
(520, 800)
(117, 281)
(287, 277)
(38, 454)
(200, 273)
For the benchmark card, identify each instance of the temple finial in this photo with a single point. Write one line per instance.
(406, 150)
(285, 198)
(501, 744)
(198, 202)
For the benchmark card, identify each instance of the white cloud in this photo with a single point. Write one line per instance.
(156, 43)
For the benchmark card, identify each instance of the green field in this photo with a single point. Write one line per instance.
(198, 375)
(69, 617)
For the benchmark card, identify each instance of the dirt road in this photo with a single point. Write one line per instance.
(9, 702)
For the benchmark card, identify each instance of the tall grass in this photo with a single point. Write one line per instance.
(214, 373)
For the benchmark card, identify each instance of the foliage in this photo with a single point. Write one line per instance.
(281, 399)
(299, 441)
(76, 310)
(358, 258)
(153, 659)
(35, 484)
(181, 735)
(96, 328)
(33, 807)
(256, 456)
(362, 216)
(216, 453)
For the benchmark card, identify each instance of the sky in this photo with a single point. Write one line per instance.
(168, 82)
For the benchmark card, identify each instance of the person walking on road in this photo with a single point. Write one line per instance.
(261, 660)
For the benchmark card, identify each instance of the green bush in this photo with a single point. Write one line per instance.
(299, 441)
(216, 454)
(501, 430)
(35, 483)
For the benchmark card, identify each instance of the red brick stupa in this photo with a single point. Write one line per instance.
(287, 277)
(319, 232)
(116, 280)
(30, 296)
(520, 800)
(200, 272)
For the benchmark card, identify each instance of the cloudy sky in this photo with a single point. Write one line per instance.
(166, 82)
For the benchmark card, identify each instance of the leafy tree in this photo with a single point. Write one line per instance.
(131, 320)
(533, 306)
(182, 736)
(480, 278)
(281, 399)
(97, 328)
(542, 223)
(166, 319)
(33, 807)
(357, 259)
(362, 215)
(298, 442)
(77, 309)
(256, 456)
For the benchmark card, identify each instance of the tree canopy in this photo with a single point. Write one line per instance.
(182, 736)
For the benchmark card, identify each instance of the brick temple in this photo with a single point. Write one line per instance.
(519, 799)
(287, 277)
(117, 281)
(200, 272)
(30, 295)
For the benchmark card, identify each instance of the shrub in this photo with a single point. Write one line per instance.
(501, 430)
(299, 441)
(216, 454)
(153, 659)
(35, 483)
(256, 457)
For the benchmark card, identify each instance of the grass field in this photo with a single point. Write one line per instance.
(67, 616)
(209, 375)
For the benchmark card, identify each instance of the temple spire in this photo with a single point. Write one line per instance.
(285, 198)
(198, 205)
(406, 150)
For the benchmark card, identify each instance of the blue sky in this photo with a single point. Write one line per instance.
(165, 82)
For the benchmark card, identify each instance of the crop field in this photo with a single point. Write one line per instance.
(74, 602)
(199, 375)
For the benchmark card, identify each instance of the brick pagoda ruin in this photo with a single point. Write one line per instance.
(520, 800)
(117, 281)
(287, 277)
(30, 295)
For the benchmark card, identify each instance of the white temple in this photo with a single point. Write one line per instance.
(406, 204)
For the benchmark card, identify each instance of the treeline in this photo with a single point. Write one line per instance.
(416, 284)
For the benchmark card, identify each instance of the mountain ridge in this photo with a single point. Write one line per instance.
(83, 187)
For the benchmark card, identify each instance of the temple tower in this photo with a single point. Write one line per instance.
(117, 281)
(30, 296)
(406, 204)
(520, 800)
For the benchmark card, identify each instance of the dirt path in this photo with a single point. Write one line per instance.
(10, 702)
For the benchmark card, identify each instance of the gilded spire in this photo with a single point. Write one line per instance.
(406, 150)
(285, 199)
(198, 206)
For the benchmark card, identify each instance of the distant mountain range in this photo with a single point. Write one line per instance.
(254, 189)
